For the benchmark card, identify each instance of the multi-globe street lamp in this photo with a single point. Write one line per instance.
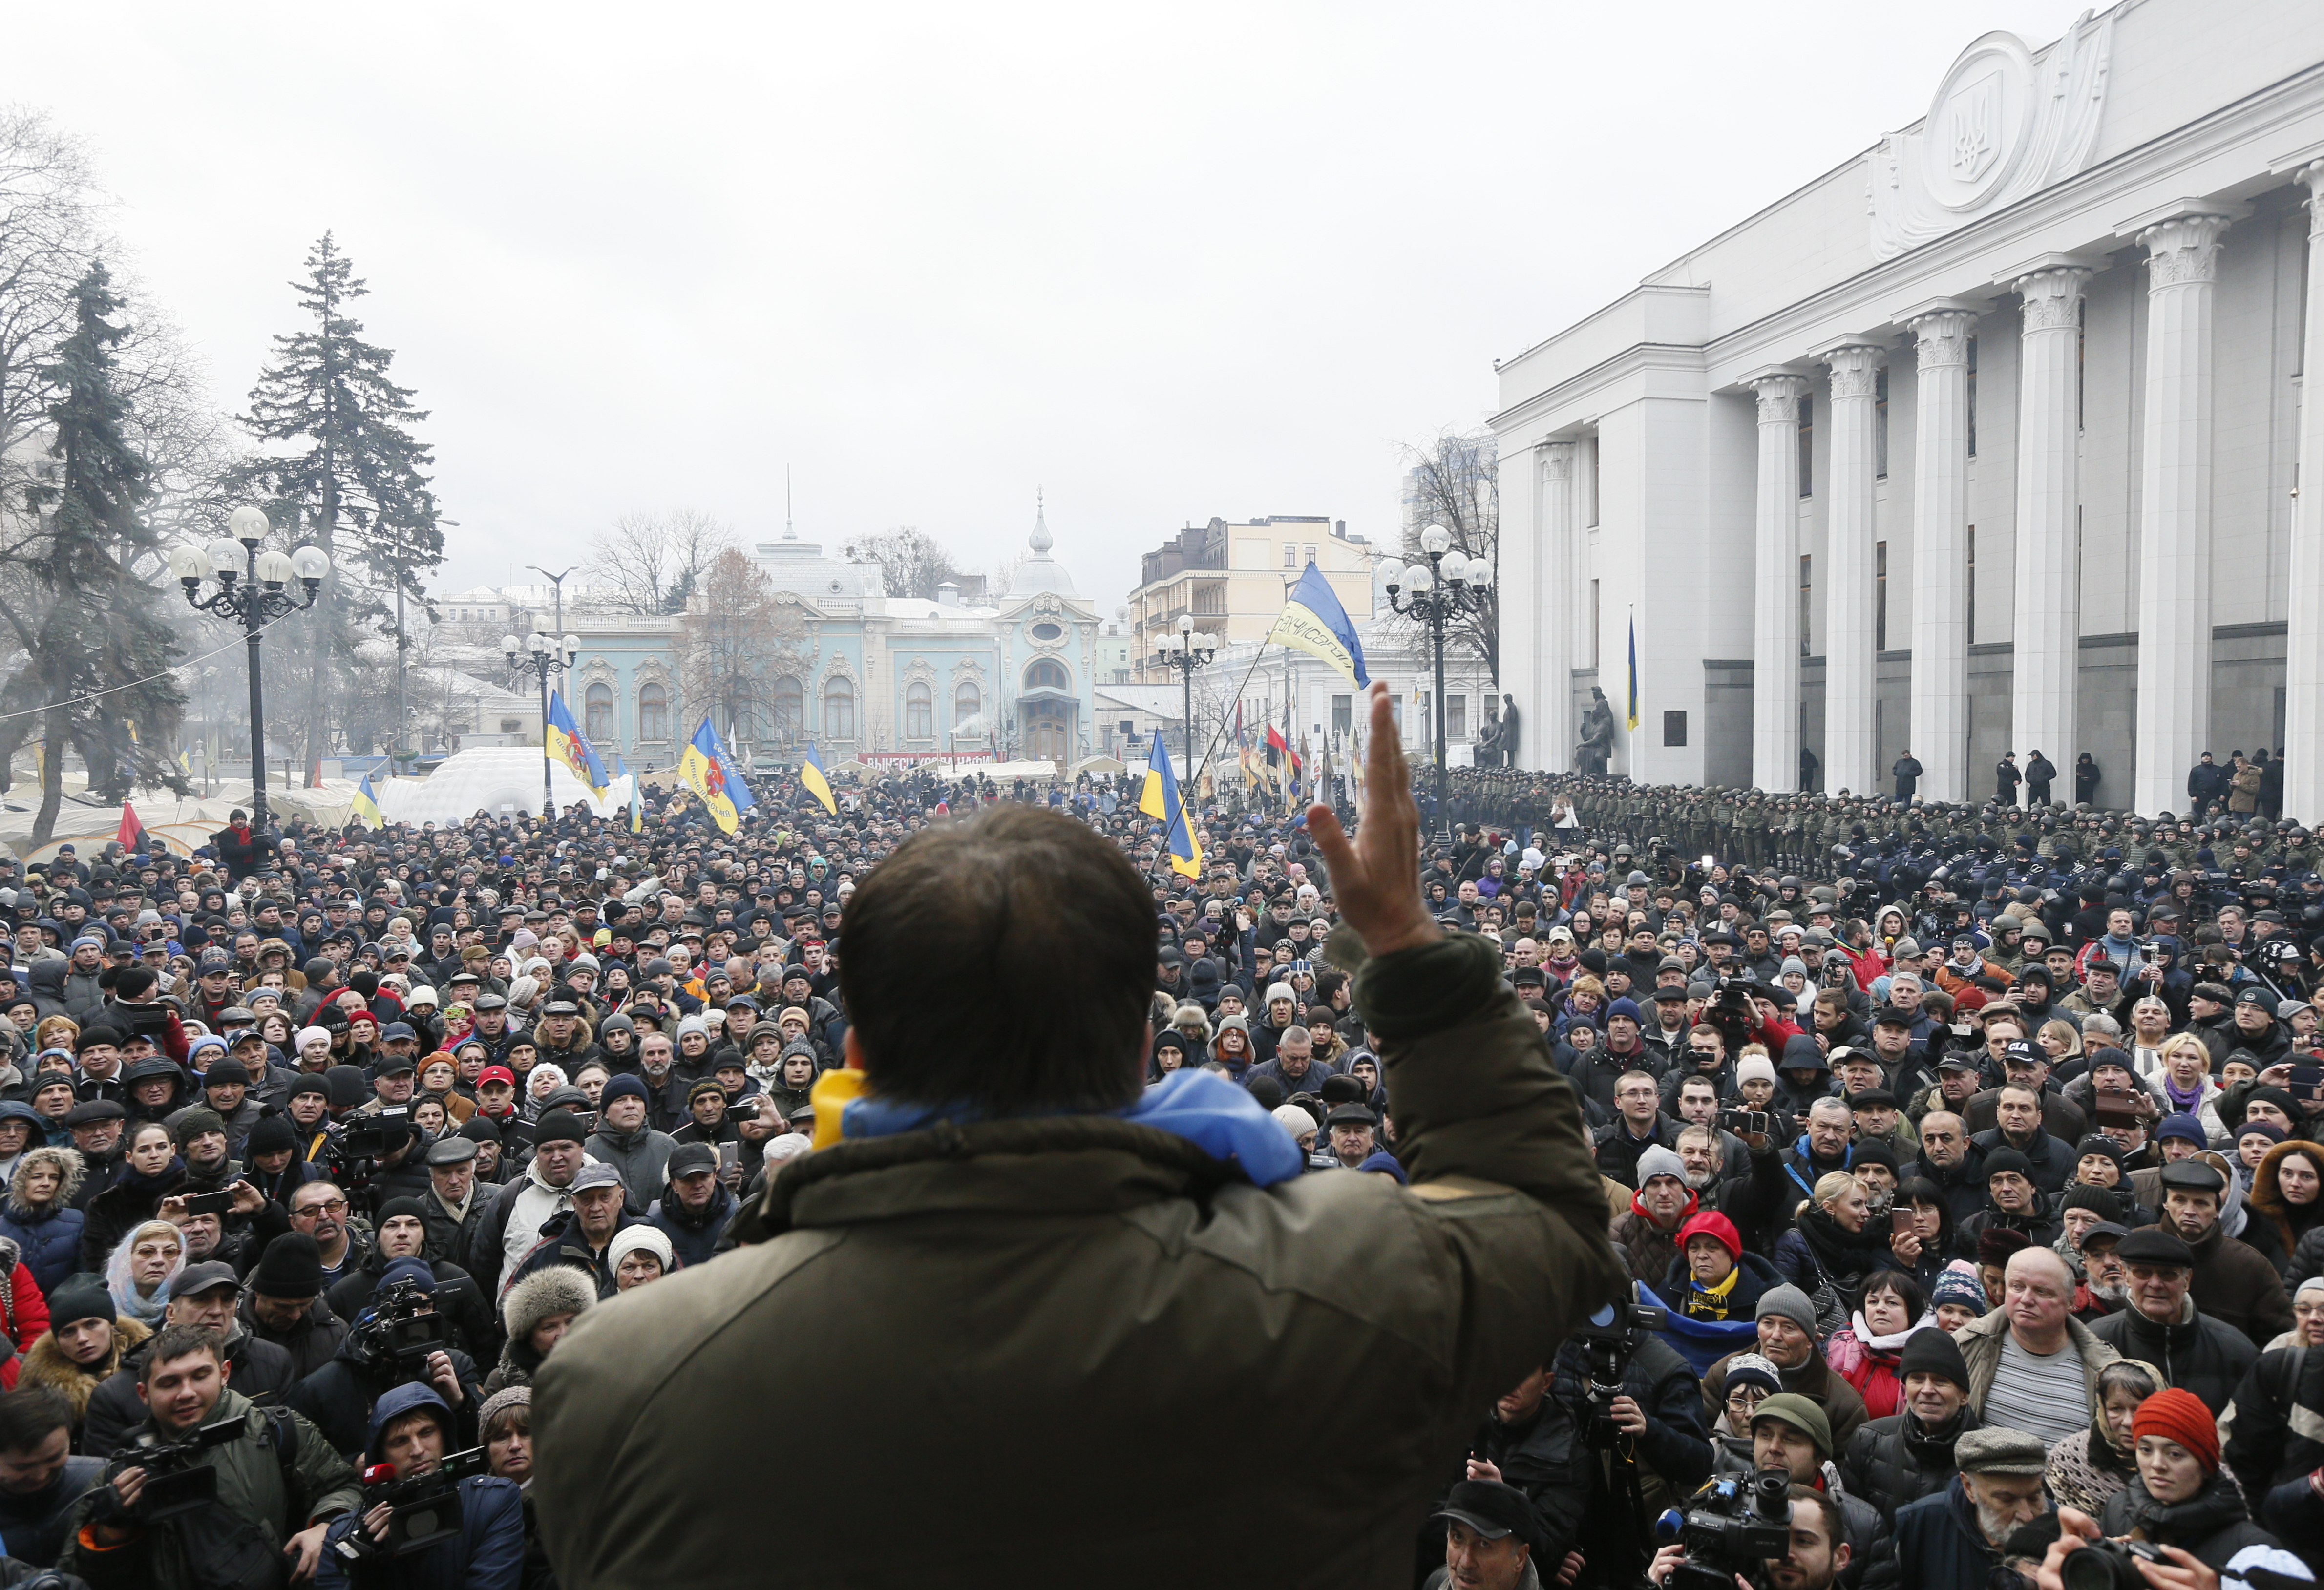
(1186, 651)
(251, 590)
(1440, 591)
(540, 655)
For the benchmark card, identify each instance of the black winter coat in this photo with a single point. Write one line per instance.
(259, 1370)
(2265, 1447)
(475, 1329)
(338, 1397)
(313, 1342)
(1939, 1535)
(2211, 1528)
(1897, 1460)
(692, 1238)
(2197, 1354)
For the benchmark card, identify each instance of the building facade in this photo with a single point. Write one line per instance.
(1231, 579)
(1988, 440)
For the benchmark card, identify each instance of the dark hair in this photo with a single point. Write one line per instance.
(31, 1416)
(1009, 906)
(508, 1417)
(1916, 1298)
(1834, 1535)
(173, 1342)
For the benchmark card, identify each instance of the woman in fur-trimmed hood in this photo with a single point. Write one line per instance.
(39, 1216)
(536, 1311)
(48, 1363)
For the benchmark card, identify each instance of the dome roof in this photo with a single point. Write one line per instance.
(1040, 572)
(804, 569)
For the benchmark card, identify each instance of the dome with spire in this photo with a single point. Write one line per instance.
(1040, 572)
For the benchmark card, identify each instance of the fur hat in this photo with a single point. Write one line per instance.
(560, 1289)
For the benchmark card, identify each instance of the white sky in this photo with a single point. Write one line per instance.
(1166, 260)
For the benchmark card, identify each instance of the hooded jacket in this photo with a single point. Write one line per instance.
(2237, 1286)
(48, 1234)
(488, 1553)
(1068, 1257)
(312, 1341)
(47, 1368)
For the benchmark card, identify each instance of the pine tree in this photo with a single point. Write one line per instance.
(358, 485)
(100, 651)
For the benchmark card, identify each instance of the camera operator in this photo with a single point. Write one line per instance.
(1818, 1557)
(402, 1234)
(203, 1297)
(411, 1431)
(1790, 1433)
(279, 1485)
(340, 1395)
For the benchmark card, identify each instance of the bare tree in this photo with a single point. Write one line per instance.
(1454, 481)
(652, 562)
(911, 561)
(734, 638)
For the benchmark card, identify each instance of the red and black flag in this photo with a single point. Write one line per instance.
(132, 833)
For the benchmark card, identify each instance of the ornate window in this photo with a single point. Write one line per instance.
(839, 708)
(653, 711)
(1048, 674)
(920, 712)
(967, 701)
(597, 714)
(790, 707)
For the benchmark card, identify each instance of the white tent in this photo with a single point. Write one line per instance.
(492, 778)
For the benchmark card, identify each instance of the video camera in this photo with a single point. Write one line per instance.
(176, 1481)
(1608, 1339)
(401, 1329)
(427, 1506)
(1732, 1015)
(370, 1136)
(1734, 1526)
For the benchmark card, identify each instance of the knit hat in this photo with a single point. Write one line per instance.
(561, 1125)
(2100, 1143)
(2008, 1159)
(291, 1267)
(505, 1398)
(1659, 1161)
(1623, 1007)
(395, 1207)
(2267, 1129)
(644, 1235)
(197, 1121)
(2097, 1200)
(1386, 1164)
(1957, 1282)
(1717, 1227)
(2185, 1127)
(1754, 1068)
(1753, 1369)
(84, 1297)
(2180, 1416)
(1790, 1303)
(624, 1086)
(1294, 1120)
(1932, 1351)
(1802, 1415)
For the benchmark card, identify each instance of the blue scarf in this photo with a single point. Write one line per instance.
(1216, 1115)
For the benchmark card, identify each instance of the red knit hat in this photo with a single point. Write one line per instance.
(2180, 1416)
(1711, 1223)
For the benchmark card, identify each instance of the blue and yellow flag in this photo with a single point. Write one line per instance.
(367, 805)
(637, 809)
(1313, 621)
(1159, 799)
(812, 777)
(708, 772)
(566, 745)
(1634, 671)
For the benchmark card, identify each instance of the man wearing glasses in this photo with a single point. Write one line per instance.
(319, 1209)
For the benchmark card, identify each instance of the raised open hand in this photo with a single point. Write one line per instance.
(1376, 877)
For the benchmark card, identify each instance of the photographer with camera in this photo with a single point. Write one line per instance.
(400, 1339)
(241, 1496)
(203, 1297)
(425, 1523)
(1815, 1557)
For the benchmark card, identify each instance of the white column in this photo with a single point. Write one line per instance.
(1586, 618)
(1545, 736)
(2174, 511)
(1940, 718)
(1775, 612)
(2049, 494)
(2303, 657)
(1851, 665)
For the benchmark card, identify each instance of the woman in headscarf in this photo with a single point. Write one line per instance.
(142, 1268)
(2091, 1465)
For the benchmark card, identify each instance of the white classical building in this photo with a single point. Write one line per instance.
(1998, 426)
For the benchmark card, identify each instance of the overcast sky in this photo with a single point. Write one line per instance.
(1165, 261)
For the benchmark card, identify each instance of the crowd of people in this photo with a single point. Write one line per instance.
(1964, 1166)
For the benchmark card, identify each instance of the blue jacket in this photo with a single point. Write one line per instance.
(488, 1555)
(693, 1241)
(48, 1238)
(1935, 1545)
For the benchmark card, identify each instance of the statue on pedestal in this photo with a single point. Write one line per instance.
(1596, 747)
(1509, 732)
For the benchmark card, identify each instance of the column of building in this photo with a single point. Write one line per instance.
(2304, 656)
(1776, 623)
(1548, 741)
(1850, 667)
(2174, 554)
(1938, 737)
(2044, 661)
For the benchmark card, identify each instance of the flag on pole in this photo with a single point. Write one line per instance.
(816, 781)
(1159, 799)
(1279, 749)
(1634, 670)
(132, 832)
(1313, 621)
(367, 810)
(566, 744)
(185, 765)
(637, 807)
(706, 769)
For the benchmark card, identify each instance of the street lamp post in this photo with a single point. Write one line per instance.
(1186, 651)
(1438, 592)
(251, 590)
(539, 656)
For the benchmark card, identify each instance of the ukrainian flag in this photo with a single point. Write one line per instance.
(707, 770)
(1313, 621)
(566, 745)
(1159, 799)
(811, 775)
(367, 805)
